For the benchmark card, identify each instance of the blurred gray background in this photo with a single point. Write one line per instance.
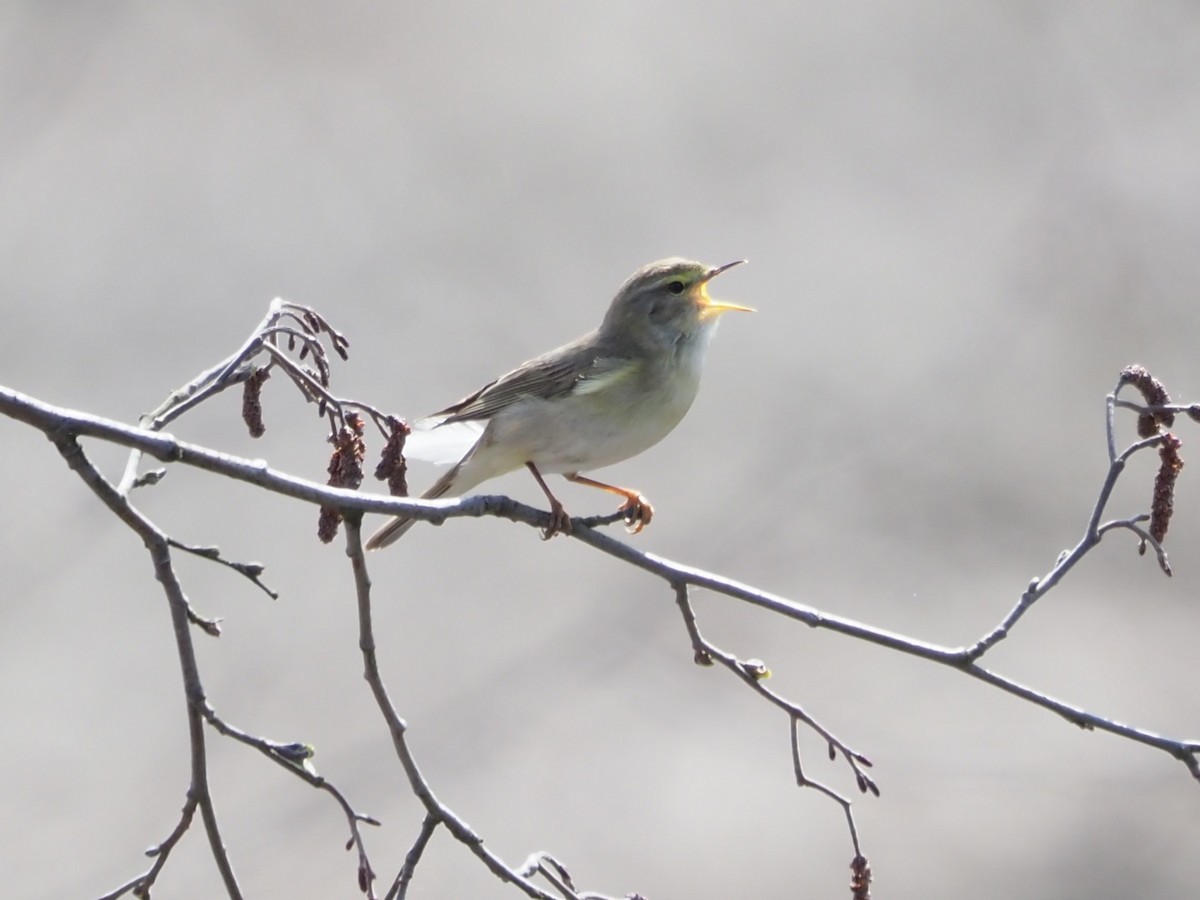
(962, 221)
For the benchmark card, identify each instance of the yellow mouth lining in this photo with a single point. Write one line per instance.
(710, 307)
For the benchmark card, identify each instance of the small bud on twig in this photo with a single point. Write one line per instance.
(365, 876)
(756, 669)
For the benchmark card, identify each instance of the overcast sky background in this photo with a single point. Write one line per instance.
(962, 221)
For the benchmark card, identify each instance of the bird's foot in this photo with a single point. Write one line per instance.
(560, 521)
(637, 512)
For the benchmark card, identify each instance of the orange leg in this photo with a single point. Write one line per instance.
(559, 520)
(637, 509)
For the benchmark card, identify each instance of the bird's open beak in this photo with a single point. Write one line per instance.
(710, 307)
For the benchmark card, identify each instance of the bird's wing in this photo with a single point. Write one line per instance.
(553, 375)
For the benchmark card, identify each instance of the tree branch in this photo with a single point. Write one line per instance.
(52, 420)
(160, 553)
(64, 428)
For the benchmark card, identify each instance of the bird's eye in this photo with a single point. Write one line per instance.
(675, 287)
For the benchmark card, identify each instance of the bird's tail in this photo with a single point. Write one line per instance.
(395, 529)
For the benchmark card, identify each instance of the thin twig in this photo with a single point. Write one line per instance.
(397, 727)
(404, 877)
(752, 673)
(311, 329)
(296, 759)
(251, 571)
(160, 852)
(1092, 534)
(160, 553)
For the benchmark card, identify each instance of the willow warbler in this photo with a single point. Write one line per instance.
(593, 402)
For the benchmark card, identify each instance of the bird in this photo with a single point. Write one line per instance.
(598, 400)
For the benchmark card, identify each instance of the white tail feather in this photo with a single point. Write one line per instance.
(443, 445)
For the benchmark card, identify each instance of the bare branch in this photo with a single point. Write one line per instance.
(181, 619)
(404, 877)
(1094, 531)
(397, 727)
(252, 571)
(302, 328)
(160, 853)
(54, 420)
(297, 759)
(752, 673)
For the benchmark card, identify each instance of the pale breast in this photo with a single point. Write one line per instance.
(592, 429)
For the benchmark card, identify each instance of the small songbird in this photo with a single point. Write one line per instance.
(596, 401)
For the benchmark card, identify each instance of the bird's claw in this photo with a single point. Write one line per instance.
(637, 513)
(560, 522)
